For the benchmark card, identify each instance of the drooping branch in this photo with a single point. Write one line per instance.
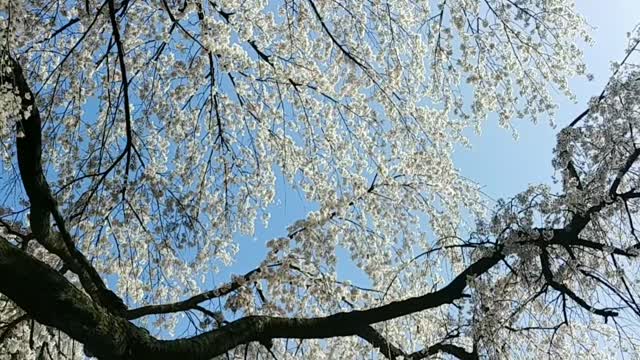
(603, 94)
(631, 159)
(563, 289)
(7, 328)
(392, 352)
(125, 91)
(341, 47)
(386, 348)
(192, 302)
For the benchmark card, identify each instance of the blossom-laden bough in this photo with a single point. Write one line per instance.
(148, 136)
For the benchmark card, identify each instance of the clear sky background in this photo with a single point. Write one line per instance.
(505, 167)
(502, 165)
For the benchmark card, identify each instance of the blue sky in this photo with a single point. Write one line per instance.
(505, 167)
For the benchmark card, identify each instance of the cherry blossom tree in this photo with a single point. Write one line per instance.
(142, 139)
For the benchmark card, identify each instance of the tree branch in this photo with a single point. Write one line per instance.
(51, 300)
(548, 275)
(192, 302)
(43, 205)
(125, 91)
(392, 352)
(344, 51)
(11, 325)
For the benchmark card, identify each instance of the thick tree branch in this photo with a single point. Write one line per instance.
(51, 300)
(573, 173)
(450, 349)
(43, 205)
